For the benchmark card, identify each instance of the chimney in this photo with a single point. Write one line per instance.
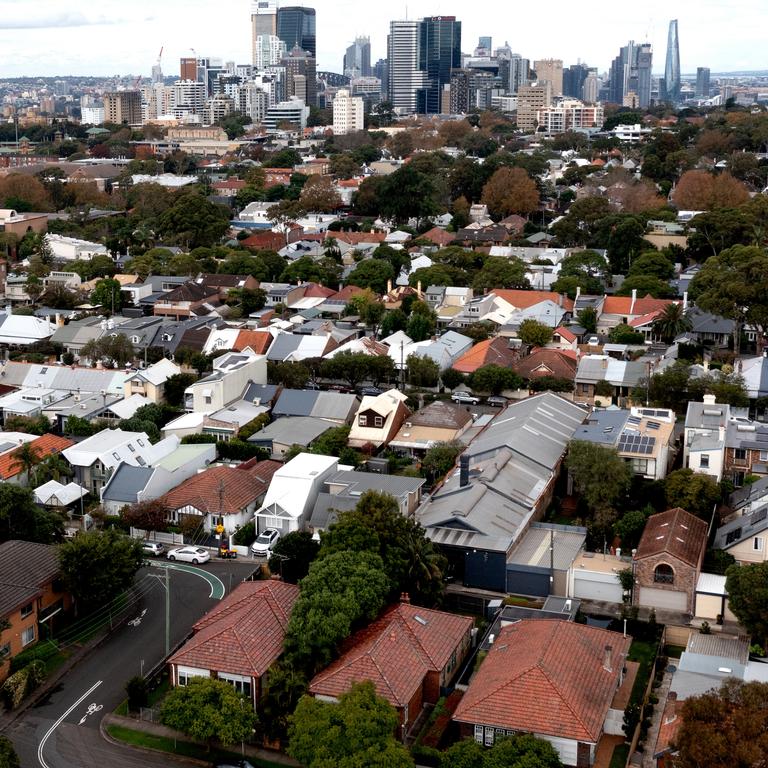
(709, 399)
(405, 598)
(389, 286)
(463, 470)
(634, 299)
(418, 288)
(578, 293)
(685, 301)
(607, 661)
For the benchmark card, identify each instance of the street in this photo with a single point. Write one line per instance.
(62, 730)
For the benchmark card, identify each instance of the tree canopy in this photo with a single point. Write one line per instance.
(747, 587)
(692, 491)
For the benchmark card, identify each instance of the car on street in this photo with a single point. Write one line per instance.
(465, 397)
(265, 542)
(496, 401)
(153, 548)
(190, 554)
(370, 391)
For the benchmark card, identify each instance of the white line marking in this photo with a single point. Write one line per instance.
(47, 736)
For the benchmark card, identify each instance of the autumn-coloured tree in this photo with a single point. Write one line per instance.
(452, 132)
(24, 193)
(639, 197)
(510, 190)
(701, 191)
(319, 195)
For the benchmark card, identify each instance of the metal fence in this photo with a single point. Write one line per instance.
(149, 714)
(176, 539)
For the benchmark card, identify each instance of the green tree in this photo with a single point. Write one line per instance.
(420, 326)
(194, 221)
(359, 730)
(440, 459)
(368, 308)
(293, 554)
(208, 710)
(452, 379)
(629, 528)
(625, 334)
(8, 756)
(107, 294)
(98, 565)
(494, 379)
(372, 273)
(645, 285)
(500, 272)
(534, 333)
(407, 194)
(692, 491)
(747, 587)
(587, 319)
(724, 729)
(25, 458)
(600, 475)
(76, 426)
(671, 322)
(351, 367)
(393, 321)
(21, 518)
(175, 386)
(654, 264)
(422, 371)
(523, 751)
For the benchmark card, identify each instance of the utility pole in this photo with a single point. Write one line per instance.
(166, 584)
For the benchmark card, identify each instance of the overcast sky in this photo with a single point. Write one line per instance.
(107, 37)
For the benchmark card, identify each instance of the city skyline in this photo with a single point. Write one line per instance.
(43, 40)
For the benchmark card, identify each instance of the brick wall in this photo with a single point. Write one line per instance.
(685, 576)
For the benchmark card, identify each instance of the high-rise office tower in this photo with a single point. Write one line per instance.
(590, 90)
(439, 53)
(188, 69)
(702, 83)
(405, 78)
(301, 76)
(357, 59)
(551, 71)
(519, 73)
(296, 27)
(484, 47)
(267, 51)
(631, 75)
(672, 68)
(263, 25)
(643, 73)
(381, 71)
(123, 107)
(573, 80)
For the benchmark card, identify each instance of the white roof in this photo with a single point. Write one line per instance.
(397, 338)
(221, 340)
(711, 584)
(54, 493)
(24, 329)
(291, 484)
(125, 409)
(115, 446)
(187, 421)
(158, 372)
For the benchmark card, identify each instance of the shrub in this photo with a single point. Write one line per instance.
(22, 683)
(246, 535)
(138, 693)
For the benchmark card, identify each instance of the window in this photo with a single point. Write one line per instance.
(738, 479)
(28, 636)
(489, 735)
(131, 448)
(185, 674)
(27, 610)
(763, 455)
(239, 683)
(664, 574)
(757, 544)
(5, 650)
(361, 422)
(479, 734)
(378, 421)
(207, 399)
(116, 455)
(704, 461)
(740, 454)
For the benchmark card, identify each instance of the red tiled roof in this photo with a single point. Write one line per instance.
(395, 653)
(355, 238)
(262, 470)
(489, 352)
(315, 291)
(258, 341)
(347, 292)
(622, 305)
(221, 489)
(565, 334)
(523, 299)
(44, 446)
(229, 184)
(671, 720)
(244, 634)
(547, 362)
(546, 676)
(644, 319)
(675, 532)
(265, 240)
(439, 236)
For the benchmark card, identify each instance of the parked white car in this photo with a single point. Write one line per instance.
(154, 548)
(265, 543)
(190, 554)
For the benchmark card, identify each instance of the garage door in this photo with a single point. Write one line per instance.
(666, 599)
(606, 590)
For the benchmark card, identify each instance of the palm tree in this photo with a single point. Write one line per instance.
(52, 467)
(25, 458)
(671, 322)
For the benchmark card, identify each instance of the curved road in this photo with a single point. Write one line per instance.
(62, 731)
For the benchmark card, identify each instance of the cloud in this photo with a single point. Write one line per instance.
(56, 21)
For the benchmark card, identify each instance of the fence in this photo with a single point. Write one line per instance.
(176, 539)
(149, 714)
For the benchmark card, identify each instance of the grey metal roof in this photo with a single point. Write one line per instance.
(336, 406)
(358, 483)
(264, 392)
(750, 435)
(742, 528)
(126, 482)
(736, 648)
(282, 346)
(291, 430)
(534, 548)
(706, 415)
(602, 427)
(749, 493)
(326, 507)
(295, 402)
(706, 322)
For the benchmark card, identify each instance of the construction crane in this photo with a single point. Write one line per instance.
(160, 55)
(137, 82)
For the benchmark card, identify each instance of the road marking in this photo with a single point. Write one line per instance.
(218, 590)
(92, 710)
(48, 733)
(135, 622)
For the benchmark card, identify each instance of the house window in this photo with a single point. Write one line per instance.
(740, 454)
(239, 683)
(489, 736)
(184, 675)
(704, 461)
(763, 455)
(131, 448)
(757, 544)
(738, 479)
(479, 734)
(207, 399)
(378, 421)
(28, 636)
(27, 610)
(663, 574)
(361, 422)
(5, 650)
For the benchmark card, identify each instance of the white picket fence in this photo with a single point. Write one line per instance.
(176, 539)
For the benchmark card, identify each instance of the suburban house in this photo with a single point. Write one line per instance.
(438, 422)
(745, 537)
(293, 347)
(31, 595)
(226, 496)
(232, 373)
(150, 382)
(223, 284)
(668, 561)
(545, 362)
(58, 496)
(504, 482)
(746, 450)
(558, 680)
(495, 351)
(293, 492)
(706, 424)
(378, 419)
(240, 639)
(186, 300)
(342, 491)
(624, 309)
(643, 437)
(338, 408)
(97, 457)
(131, 484)
(622, 376)
(11, 471)
(410, 654)
(281, 435)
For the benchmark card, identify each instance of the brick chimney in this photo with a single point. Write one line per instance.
(405, 598)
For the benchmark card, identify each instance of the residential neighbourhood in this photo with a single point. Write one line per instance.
(410, 412)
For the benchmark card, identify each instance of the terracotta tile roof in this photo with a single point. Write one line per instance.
(225, 490)
(25, 567)
(547, 677)
(229, 184)
(265, 240)
(489, 352)
(46, 445)
(523, 299)
(244, 634)
(565, 334)
(261, 470)
(645, 319)
(355, 238)
(671, 720)
(622, 305)
(547, 362)
(316, 291)
(346, 293)
(258, 341)
(675, 532)
(439, 236)
(395, 653)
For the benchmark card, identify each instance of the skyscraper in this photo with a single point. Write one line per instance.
(672, 68)
(263, 25)
(301, 76)
(702, 83)
(631, 75)
(357, 59)
(439, 53)
(296, 26)
(405, 78)
(550, 70)
(484, 46)
(573, 80)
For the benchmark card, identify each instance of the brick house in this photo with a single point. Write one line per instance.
(410, 654)
(240, 639)
(668, 561)
(31, 595)
(186, 300)
(561, 681)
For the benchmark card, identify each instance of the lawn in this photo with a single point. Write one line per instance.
(644, 653)
(673, 651)
(620, 755)
(163, 744)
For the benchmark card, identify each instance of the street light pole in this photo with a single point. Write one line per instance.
(165, 583)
